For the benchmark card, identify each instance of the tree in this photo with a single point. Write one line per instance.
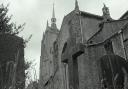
(31, 75)
(33, 85)
(6, 26)
(9, 27)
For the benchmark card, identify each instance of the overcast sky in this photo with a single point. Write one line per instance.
(35, 14)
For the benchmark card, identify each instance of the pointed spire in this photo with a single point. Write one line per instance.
(76, 5)
(53, 13)
(53, 19)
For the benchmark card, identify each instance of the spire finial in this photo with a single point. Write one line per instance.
(76, 5)
(105, 9)
(104, 4)
(106, 13)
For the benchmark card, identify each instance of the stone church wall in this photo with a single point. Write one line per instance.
(88, 67)
(62, 39)
(46, 59)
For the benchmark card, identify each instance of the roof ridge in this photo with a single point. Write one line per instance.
(92, 14)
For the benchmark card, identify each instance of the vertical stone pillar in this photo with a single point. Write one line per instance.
(70, 71)
(73, 73)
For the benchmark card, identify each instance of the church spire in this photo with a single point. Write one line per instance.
(53, 13)
(53, 19)
(76, 5)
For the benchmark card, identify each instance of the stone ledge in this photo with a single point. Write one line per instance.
(74, 51)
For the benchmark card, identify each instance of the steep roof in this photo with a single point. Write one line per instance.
(109, 29)
(90, 24)
(124, 15)
(83, 13)
(92, 28)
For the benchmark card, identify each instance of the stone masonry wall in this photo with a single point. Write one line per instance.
(89, 72)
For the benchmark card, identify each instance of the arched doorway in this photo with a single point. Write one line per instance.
(112, 71)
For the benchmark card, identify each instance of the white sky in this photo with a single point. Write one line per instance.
(35, 14)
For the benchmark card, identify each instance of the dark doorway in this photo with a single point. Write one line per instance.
(112, 73)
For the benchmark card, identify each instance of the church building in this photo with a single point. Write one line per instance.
(88, 52)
